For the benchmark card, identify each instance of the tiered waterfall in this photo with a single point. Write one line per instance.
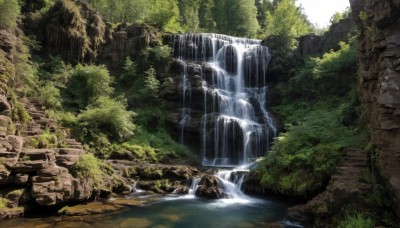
(230, 73)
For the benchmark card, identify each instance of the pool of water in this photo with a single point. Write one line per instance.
(174, 211)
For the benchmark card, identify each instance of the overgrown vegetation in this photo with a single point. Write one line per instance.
(356, 221)
(319, 108)
(89, 167)
(10, 10)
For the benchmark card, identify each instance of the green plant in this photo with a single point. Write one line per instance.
(86, 85)
(49, 96)
(3, 203)
(106, 117)
(363, 15)
(357, 220)
(18, 112)
(10, 10)
(306, 155)
(89, 166)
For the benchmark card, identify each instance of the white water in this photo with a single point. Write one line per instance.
(235, 127)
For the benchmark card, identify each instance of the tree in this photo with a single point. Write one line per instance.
(151, 84)
(288, 22)
(236, 17)
(189, 13)
(87, 84)
(206, 20)
(165, 14)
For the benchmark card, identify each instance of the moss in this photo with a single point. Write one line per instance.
(19, 112)
(88, 167)
(3, 203)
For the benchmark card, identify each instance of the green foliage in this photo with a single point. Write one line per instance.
(151, 85)
(26, 70)
(18, 112)
(236, 17)
(88, 167)
(189, 13)
(363, 15)
(304, 157)
(358, 220)
(3, 203)
(129, 74)
(319, 107)
(334, 73)
(44, 140)
(158, 57)
(206, 20)
(87, 84)
(10, 10)
(49, 96)
(105, 117)
(287, 22)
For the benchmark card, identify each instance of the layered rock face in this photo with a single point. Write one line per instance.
(312, 44)
(127, 41)
(379, 82)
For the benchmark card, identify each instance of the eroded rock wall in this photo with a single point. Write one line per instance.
(379, 82)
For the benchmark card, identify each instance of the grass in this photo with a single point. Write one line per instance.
(358, 220)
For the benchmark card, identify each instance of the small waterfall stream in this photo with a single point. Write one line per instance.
(230, 73)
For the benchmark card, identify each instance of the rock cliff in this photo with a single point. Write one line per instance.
(379, 83)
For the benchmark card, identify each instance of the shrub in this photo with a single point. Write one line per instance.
(106, 117)
(306, 155)
(19, 112)
(87, 84)
(49, 96)
(358, 220)
(151, 85)
(88, 167)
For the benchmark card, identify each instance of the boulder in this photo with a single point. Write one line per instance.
(210, 187)
(16, 142)
(54, 185)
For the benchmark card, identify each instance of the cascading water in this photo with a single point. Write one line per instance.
(231, 72)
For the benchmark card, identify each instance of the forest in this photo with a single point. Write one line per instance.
(104, 99)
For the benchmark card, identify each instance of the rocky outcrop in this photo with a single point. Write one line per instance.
(345, 186)
(127, 41)
(210, 187)
(157, 178)
(379, 82)
(312, 44)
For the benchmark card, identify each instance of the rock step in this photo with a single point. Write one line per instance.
(31, 133)
(8, 154)
(68, 151)
(341, 188)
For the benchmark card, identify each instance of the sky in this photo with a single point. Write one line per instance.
(320, 11)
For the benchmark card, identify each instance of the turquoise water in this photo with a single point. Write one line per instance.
(174, 211)
(186, 212)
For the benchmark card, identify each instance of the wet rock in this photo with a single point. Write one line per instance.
(89, 209)
(210, 187)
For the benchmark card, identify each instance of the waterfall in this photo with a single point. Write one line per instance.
(230, 73)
